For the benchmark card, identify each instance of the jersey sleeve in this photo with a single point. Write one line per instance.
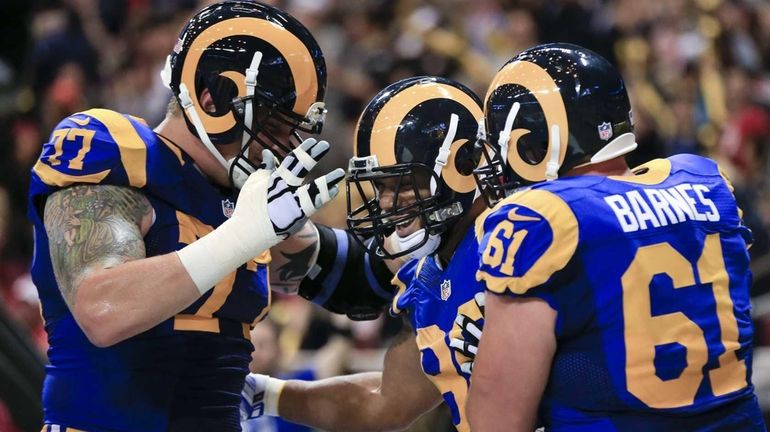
(404, 297)
(97, 146)
(528, 238)
(746, 233)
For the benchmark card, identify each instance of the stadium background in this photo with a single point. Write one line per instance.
(698, 72)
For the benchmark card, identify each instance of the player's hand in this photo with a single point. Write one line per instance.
(289, 202)
(468, 344)
(253, 396)
(272, 205)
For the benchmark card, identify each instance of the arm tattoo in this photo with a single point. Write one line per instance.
(296, 266)
(93, 227)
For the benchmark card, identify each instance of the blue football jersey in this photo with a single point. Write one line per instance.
(188, 370)
(649, 276)
(433, 296)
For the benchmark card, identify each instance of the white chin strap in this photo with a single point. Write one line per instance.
(553, 165)
(443, 153)
(189, 108)
(240, 174)
(251, 84)
(481, 138)
(505, 134)
(414, 239)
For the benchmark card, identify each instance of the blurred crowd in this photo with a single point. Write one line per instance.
(698, 72)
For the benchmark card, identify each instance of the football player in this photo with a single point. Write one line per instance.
(416, 146)
(151, 246)
(620, 298)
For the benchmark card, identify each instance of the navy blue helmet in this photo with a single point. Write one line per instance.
(549, 109)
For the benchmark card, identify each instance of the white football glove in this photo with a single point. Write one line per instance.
(289, 202)
(272, 205)
(260, 396)
(471, 330)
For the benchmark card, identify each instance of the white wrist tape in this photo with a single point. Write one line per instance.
(273, 390)
(247, 234)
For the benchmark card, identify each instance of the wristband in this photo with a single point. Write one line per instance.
(273, 390)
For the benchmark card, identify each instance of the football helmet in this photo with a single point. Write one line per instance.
(264, 71)
(550, 109)
(419, 134)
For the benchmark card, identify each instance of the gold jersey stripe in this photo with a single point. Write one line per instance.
(448, 380)
(658, 170)
(53, 177)
(133, 150)
(218, 296)
(185, 322)
(564, 227)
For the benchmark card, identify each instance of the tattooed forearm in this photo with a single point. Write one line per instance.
(93, 227)
(297, 264)
(293, 259)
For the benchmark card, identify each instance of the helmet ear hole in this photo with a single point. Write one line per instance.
(224, 92)
(531, 151)
(468, 157)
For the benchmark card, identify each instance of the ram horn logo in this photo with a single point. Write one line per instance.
(541, 85)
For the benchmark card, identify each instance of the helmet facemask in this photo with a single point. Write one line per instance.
(490, 179)
(532, 147)
(412, 203)
(488, 175)
(414, 146)
(271, 126)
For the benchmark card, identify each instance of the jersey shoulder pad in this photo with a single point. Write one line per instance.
(693, 164)
(700, 166)
(96, 146)
(524, 240)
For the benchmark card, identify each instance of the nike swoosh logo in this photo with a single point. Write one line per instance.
(513, 216)
(81, 122)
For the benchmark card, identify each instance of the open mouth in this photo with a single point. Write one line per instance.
(407, 227)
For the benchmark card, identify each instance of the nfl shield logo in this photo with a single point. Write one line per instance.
(605, 131)
(228, 207)
(446, 289)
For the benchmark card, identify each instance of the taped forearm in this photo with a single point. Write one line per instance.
(212, 257)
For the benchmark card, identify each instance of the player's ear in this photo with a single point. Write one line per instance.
(207, 101)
